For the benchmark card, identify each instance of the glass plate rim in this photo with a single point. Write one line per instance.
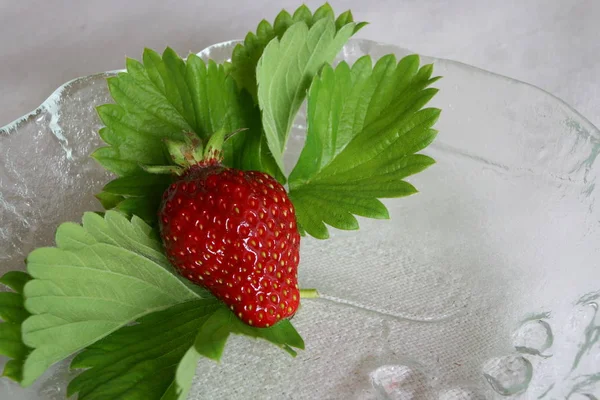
(51, 101)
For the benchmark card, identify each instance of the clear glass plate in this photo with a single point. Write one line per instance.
(484, 285)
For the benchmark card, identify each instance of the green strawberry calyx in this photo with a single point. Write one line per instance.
(192, 151)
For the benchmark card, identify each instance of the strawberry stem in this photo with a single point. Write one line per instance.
(309, 293)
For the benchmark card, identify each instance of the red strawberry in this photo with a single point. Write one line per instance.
(234, 232)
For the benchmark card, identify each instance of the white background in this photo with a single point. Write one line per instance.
(553, 44)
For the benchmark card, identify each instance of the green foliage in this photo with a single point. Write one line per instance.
(13, 313)
(365, 125)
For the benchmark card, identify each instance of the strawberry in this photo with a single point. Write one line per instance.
(234, 232)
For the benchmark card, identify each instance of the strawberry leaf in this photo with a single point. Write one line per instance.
(157, 358)
(15, 280)
(245, 56)
(13, 313)
(109, 200)
(186, 370)
(214, 333)
(162, 98)
(365, 125)
(141, 361)
(138, 185)
(165, 96)
(286, 68)
(139, 194)
(101, 276)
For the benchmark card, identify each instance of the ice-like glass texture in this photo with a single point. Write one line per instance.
(484, 285)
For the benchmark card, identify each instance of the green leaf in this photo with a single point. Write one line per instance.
(157, 358)
(244, 60)
(141, 361)
(186, 370)
(163, 98)
(109, 200)
(138, 194)
(145, 207)
(216, 99)
(13, 313)
(213, 335)
(11, 307)
(11, 344)
(303, 14)
(15, 280)
(138, 185)
(285, 71)
(101, 276)
(13, 370)
(245, 56)
(365, 125)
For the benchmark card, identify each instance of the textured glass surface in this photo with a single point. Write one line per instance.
(484, 285)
